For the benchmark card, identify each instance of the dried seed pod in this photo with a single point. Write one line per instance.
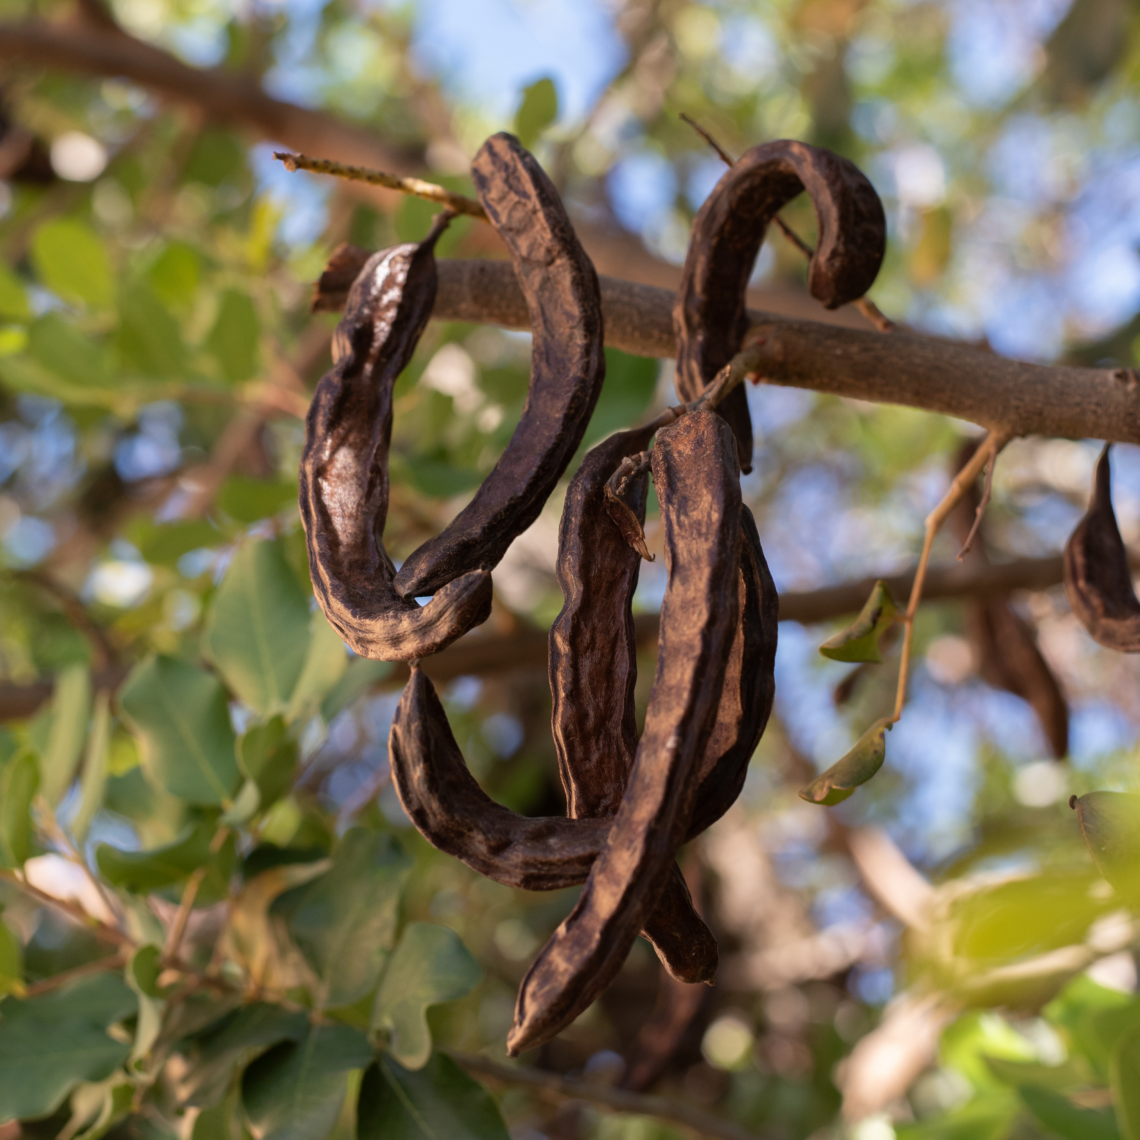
(344, 470)
(593, 670)
(749, 685)
(1097, 576)
(567, 368)
(696, 475)
(544, 853)
(709, 316)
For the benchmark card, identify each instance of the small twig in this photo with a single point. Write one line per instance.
(416, 186)
(71, 909)
(865, 305)
(102, 651)
(620, 1100)
(981, 508)
(57, 981)
(991, 445)
(55, 833)
(186, 904)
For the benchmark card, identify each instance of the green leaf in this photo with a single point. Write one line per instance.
(93, 781)
(19, 782)
(234, 337)
(180, 713)
(429, 966)
(163, 544)
(257, 632)
(175, 273)
(13, 298)
(11, 961)
(296, 1090)
(1110, 826)
(344, 920)
(71, 261)
(860, 640)
(1124, 1078)
(538, 109)
(267, 755)
(149, 338)
(326, 661)
(1063, 1118)
(115, 1100)
(235, 1041)
(50, 1043)
(855, 768)
(438, 1101)
(63, 350)
(141, 872)
(248, 500)
(143, 969)
(70, 708)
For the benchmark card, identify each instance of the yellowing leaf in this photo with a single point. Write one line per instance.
(857, 767)
(860, 640)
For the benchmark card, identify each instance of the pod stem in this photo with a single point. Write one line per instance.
(987, 453)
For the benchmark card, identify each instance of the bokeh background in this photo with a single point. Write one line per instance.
(157, 351)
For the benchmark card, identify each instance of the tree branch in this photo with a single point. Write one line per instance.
(620, 1100)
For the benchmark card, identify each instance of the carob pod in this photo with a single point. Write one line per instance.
(1098, 579)
(543, 853)
(696, 474)
(344, 469)
(749, 685)
(593, 671)
(710, 317)
(567, 369)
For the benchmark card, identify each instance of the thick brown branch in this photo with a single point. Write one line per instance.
(485, 654)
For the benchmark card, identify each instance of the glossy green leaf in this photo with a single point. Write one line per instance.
(13, 298)
(96, 762)
(143, 969)
(296, 1090)
(344, 920)
(1124, 1078)
(232, 1043)
(855, 768)
(70, 260)
(1110, 826)
(430, 965)
(11, 961)
(70, 709)
(1064, 1119)
(538, 109)
(438, 1100)
(234, 337)
(141, 872)
(326, 661)
(182, 719)
(257, 632)
(267, 755)
(19, 782)
(149, 338)
(247, 500)
(58, 346)
(860, 640)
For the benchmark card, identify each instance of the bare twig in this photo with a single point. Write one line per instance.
(725, 157)
(416, 186)
(57, 981)
(71, 909)
(66, 848)
(186, 903)
(983, 503)
(102, 651)
(620, 1100)
(993, 443)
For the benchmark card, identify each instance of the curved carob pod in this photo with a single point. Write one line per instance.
(593, 671)
(749, 686)
(344, 469)
(696, 475)
(1097, 576)
(544, 853)
(567, 368)
(710, 317)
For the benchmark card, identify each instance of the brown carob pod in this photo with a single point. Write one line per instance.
(1098, 579)
(544, 853)
(749, 686)
(696, 476)
(567, 369)
(593, 670)
(344, 469)
(709, 316)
